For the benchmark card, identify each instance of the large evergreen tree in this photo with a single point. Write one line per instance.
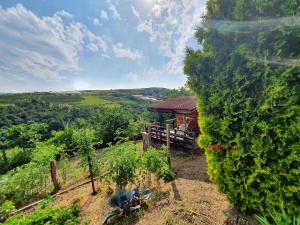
(247, 80)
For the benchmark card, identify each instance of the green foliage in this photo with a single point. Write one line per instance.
(277, 218)
(247, 82)
(25, 135)
(155, 161)
(123, 164)
(47, 215)
(7, 208)
(31, 179)
(114, 123)
(83, 140)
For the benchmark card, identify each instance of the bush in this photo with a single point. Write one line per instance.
(248, 87)
(114, 124)
(123, 164)
(7, 208)
(155, 161)
(31, 179)
(47, 215)
(277, 218)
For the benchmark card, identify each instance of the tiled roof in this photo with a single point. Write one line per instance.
(183, 103)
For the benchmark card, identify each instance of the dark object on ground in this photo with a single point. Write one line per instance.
(123, 202)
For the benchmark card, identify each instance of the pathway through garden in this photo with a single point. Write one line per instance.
(190, 199)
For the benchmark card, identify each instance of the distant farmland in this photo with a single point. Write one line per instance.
(107, 98)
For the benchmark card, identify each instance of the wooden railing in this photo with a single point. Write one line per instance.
(177, 138)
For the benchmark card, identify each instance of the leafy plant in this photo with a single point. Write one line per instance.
(248, 89)
(155, 161)
(31, 179)
(277, 218)
(123, 164)
(7, 208)
(84, 140)
(47, 215)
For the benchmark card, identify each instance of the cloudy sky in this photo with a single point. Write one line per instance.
(95, 44)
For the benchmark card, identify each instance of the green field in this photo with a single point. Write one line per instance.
(94, 100)
(108, 98)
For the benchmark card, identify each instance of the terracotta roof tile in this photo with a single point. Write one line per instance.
(183, 103)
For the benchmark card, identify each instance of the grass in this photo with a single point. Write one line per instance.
(6, 104)
(94, 100)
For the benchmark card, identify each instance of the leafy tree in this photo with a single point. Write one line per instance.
(64, 138)
(3, 145)
(114, 123)
(84, 140)
(25, 135)
(246, 78)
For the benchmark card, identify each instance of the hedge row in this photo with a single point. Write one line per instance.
(247, 80)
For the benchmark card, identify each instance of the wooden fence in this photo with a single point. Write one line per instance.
(174, 137)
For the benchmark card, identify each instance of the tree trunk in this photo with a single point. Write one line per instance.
(4, 156)
(91, 174)
(54, 176)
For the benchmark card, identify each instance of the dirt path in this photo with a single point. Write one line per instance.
(193, 198)
(190, 199)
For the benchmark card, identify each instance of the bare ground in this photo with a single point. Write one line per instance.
(190, 199)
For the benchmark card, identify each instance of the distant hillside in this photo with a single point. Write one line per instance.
(89, 98)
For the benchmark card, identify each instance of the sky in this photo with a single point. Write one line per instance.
(55, 45)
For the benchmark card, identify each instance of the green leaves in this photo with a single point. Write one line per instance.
(48, 215)
(123, 164)
(248, 86)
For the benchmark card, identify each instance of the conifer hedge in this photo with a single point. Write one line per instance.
(247, 80)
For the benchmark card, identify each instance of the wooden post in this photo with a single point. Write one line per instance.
(91, 174)
(54, 176)
(145, 141)
(149, 135)
(168, 143)
(184, 122)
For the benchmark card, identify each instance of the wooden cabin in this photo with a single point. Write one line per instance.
(185, 124)
(185, 109)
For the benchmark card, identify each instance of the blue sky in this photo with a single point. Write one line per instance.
(54, 45)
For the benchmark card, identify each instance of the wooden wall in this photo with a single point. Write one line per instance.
(193, 125)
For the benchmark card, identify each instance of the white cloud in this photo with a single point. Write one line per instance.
(132, 76)
(92, 47)
(122, 52)
(42, 47)
(63, 13)
(172, 24)
(97, 22)
(104, 15)
(112, 7)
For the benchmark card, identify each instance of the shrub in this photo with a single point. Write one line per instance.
(47, 215)
(247, 84)
(155, 161)
(123, 164)
(7, 208)
(278, 218)
(31, 179)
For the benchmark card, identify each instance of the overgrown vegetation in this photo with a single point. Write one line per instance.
(278, 218)
(47, 215)
(35, 132)
(247, 81)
